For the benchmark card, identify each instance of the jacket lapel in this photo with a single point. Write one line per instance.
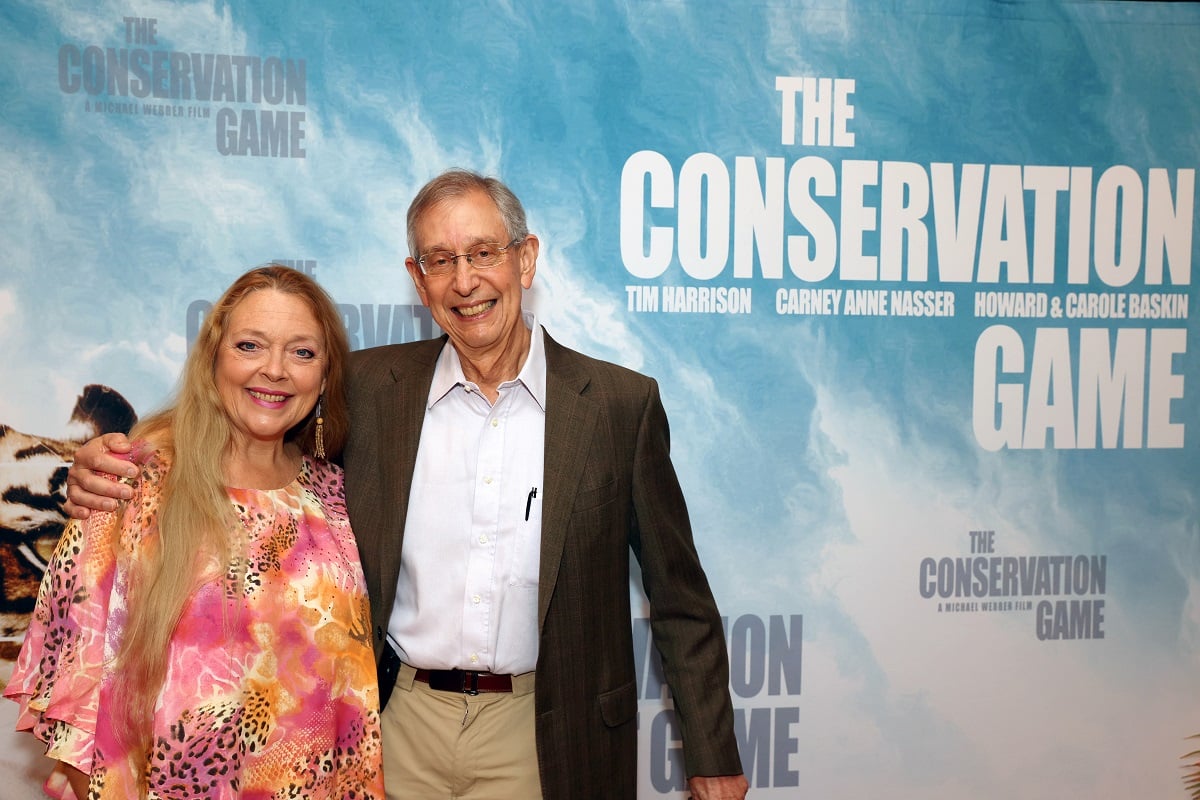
(570, 421)
(400, 410)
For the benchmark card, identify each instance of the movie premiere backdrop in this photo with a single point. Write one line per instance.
(916, 280)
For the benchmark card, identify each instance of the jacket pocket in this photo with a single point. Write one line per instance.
(593, 498)
(619, 706)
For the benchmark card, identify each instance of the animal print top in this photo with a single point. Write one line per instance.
(270, 691)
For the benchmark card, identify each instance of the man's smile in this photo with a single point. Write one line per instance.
(475, 310)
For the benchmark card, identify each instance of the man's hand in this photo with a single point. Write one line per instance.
(93, 479)
(721, 787)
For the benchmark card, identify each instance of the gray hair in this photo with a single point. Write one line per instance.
(456, 183)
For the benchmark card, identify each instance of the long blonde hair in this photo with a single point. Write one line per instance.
(195, 517)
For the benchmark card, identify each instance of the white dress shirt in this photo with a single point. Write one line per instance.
(466, 597)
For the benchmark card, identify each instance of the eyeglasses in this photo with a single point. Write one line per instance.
(482, 256)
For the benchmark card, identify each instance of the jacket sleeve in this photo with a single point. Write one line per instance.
(685, 622)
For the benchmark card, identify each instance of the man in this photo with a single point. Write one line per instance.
(519, 475)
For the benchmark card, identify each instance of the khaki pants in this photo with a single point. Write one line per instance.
(453, 746)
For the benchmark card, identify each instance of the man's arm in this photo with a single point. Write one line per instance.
(685, 621)
(92, 483)
(724, 787)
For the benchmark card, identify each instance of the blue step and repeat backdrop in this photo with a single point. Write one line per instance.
(916, 279)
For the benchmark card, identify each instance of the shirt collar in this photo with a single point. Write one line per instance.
(448, 372)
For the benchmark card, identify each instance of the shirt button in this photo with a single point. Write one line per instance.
(488, 480)
(495, 423)
(483, 538)
(474, 658)
(475, 599)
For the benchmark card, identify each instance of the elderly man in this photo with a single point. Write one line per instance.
(518, 475)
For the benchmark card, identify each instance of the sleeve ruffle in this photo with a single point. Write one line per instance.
(57, 676)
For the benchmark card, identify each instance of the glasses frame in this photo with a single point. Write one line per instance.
(454, 257)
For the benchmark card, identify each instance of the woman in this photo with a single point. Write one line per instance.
(211, 637)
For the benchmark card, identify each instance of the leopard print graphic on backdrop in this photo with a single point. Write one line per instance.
(33, 474)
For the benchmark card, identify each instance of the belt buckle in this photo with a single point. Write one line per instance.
(473, 689)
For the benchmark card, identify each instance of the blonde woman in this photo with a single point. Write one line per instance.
(211, 637)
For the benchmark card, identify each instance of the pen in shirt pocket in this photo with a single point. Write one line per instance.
(529, 502)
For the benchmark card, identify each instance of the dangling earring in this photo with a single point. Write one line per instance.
(320, 434)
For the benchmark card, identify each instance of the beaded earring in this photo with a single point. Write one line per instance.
(320, 432)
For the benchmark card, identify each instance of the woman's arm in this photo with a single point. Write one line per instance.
(78, 779)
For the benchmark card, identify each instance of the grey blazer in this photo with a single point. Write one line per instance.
(609, 488)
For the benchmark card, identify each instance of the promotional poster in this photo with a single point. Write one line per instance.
(915, 280)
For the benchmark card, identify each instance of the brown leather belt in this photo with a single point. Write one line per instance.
(464, 681)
